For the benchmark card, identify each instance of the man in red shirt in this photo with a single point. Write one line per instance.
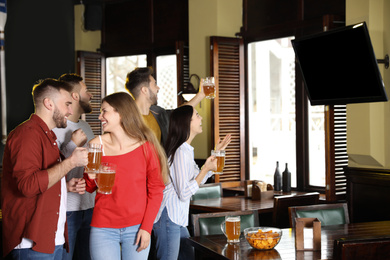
(33, 192)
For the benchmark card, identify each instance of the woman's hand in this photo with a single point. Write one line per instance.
(91, 176)
(143, 240)
(222, 145)
(210, 164)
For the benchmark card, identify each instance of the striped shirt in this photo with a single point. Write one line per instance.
(177, 194)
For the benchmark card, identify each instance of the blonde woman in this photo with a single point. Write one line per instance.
(122, 221)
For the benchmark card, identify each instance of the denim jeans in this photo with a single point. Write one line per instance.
(29, 254)
(171, 239)
(78, 232)
(116, 244)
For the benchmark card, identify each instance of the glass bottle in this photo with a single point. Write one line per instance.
(286, 180)
(277, 178)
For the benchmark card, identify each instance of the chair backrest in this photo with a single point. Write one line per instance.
(210, 223)
(208, 191)
(280, 217)
(328, 214)
(361, 248)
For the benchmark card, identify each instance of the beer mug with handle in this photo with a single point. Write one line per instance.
(231, 227)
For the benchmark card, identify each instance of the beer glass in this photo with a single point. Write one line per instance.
(220, 156)
(231, 227)
(94, 157)
(106, 177)
(209, 87)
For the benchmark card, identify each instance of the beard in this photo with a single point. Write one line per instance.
(85, 106)
(153, 98)
(59, 119)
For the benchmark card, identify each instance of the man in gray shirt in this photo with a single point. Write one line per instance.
(77, 134)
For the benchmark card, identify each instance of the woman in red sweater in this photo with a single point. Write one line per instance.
(122, 221)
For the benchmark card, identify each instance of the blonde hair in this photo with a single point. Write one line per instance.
(134, 126)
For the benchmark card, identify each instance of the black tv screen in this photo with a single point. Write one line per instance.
(340, 67)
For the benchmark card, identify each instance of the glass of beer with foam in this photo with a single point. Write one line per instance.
(231, 227)
(220, 156)
(94, 157)
(209, 87)
(106, 177)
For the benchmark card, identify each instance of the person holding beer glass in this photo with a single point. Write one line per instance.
(122, 221)
(172, 219)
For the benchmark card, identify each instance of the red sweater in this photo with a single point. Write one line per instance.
(137, 192)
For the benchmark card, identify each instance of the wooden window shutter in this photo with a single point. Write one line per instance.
(183, 68)
(228, 108)
(336, 152)
(92, 67)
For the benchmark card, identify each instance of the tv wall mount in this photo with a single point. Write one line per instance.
(385, 61)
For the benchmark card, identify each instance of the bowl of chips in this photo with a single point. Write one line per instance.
(263, 238)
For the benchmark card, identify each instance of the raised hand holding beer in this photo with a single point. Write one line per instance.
(209, 87)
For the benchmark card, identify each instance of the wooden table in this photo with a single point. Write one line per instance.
(239, 203)
(216, 246)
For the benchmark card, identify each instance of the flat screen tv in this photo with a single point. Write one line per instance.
(339, 66)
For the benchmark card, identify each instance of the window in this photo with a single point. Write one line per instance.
(316, 146)
(167, 81)
(117, 69)
(272, 115)
(271, 73)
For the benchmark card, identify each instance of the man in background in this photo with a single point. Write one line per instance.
(77, 134)
(143, 87)
(33, 192)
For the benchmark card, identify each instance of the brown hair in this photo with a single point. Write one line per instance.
(138, 78)
(72, 79)
(134, 126)
(48, 88)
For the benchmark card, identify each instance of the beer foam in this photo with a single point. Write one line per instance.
(233, 219)
(106, 171)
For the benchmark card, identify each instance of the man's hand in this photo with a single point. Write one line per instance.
(79, 157)
(76, 185)
(79, 137)
(143, 240)
(201, 89)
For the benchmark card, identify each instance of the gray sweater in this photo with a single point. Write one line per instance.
(76, 201)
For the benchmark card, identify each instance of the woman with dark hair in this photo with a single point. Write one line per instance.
(122, 221)
(172, 220)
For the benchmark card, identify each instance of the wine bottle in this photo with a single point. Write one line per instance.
(277, 178)
(286, 180)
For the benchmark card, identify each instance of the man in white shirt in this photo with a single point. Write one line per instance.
(77, 134)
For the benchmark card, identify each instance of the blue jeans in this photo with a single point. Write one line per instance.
(78, 232)
(107, 244)
(171, 239)
(29, 254)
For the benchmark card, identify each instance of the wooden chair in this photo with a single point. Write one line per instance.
(328, 214)
(361, 248)
(210, 223)
(208, 191)
(280, 216)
